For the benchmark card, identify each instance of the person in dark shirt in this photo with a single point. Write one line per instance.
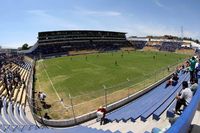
(173, 80)
(46, 116)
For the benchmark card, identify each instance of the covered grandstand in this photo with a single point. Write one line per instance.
(61, 42)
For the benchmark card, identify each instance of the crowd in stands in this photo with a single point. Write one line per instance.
(170, 46)
(10, 75)
(60, 48)
(11, 79)
(138, 44)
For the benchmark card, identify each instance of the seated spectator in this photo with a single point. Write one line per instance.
(101, 113)
(185, 68)
(194, 85)
(178, 69)
(173, 80)
(46, 116)
(183, 98)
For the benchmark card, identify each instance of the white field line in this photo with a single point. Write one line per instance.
(60, 99)
(58, 66)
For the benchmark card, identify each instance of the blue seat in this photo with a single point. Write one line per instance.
(160, 100)
(170, 112)
(139, 106)
(163, 107)
(17, 115)
(117, 131)
(126, 111)
(154, 102)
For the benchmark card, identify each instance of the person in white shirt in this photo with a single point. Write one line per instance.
(194, 85)
(42, 96)
(184, 97)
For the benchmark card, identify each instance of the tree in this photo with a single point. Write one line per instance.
(25, 46)
(197, 41)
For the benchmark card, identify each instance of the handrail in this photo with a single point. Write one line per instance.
(182, 125)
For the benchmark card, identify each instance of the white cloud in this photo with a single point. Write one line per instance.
(110, 13)
(102, 13)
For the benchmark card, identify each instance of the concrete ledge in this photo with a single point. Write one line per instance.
(92, 115)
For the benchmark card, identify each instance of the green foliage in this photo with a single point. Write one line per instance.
(25, 46)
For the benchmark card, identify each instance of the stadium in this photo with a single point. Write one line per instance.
(67, 75)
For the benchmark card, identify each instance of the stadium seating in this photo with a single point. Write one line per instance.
(12, 114)
(168, 96)
(170, 46)
(138, 44)
(164, 106)
(145, 105)
(183, 123)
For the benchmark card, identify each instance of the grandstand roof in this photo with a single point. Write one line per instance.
(83, 31)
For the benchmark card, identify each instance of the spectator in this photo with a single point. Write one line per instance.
(46, 116)
(184, 68)
(183, 98)
(101, 113)
(194, 85)
(192, 63)
(42, 96)
(173, 80)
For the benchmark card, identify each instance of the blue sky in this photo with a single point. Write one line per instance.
(21, 20)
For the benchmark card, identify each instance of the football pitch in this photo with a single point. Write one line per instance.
(81, 74)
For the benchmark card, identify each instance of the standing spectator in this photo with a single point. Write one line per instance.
(184, 97)
(192, 67)
(101, 113)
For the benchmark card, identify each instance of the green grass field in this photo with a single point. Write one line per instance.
(85, 73)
